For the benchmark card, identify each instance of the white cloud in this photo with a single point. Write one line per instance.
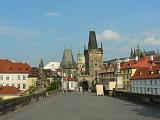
(109, 34)
(152, 41)
(19, 32)
(52, 14)
(124, 49)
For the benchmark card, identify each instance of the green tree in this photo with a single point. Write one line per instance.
(55, 85)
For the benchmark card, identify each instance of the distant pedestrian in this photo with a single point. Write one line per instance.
(83, 90)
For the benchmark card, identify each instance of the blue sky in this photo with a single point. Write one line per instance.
(34, 29)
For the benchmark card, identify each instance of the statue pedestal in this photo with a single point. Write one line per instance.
(40, 86)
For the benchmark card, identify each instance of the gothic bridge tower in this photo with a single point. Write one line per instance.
(93, 55)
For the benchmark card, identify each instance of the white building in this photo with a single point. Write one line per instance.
(70, 83)
(146, 81)
(14, 74)
(52, 66)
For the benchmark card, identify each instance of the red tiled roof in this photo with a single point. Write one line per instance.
(35, 72)
(69, 78)
(59, 70)
(9, 90)
(7, 66)
(147, 73)
(141, 63)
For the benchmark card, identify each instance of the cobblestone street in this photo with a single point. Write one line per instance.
(74, 106)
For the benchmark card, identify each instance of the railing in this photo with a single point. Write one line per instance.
(14, 104)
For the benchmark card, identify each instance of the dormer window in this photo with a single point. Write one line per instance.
(151, 72)
(139, 73)
(158, 71)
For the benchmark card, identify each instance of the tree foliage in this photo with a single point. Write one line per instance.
(55, 85)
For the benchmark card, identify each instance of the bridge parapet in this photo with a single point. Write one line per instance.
(14, 104)
(143, 98)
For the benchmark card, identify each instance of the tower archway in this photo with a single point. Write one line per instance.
(85, 85)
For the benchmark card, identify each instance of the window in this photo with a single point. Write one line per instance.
(71, 84)
(132, 82)
(123, 82)
(139, 73)
(158, 71)
(141, 89)
(145, 90)
(18, 86)
(145, 82)
(24, 77)
(155, 91)
(133, 89)
(19, 77)
(151, 90)
(155, 82)
(151, 72)
(13, 77)
(24, 86)
(136, 89)
(1, 77)
(7, 77)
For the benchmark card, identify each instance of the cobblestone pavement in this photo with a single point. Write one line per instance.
(74, 106)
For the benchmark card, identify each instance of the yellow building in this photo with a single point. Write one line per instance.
(34, 74)
(8, 92)
(129, 68)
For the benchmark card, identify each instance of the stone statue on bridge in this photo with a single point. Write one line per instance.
(41, 81)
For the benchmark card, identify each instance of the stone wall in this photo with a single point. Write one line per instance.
(142, 98)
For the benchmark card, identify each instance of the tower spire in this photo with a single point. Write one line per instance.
(131, 55)
(92, 44)
(101, 46)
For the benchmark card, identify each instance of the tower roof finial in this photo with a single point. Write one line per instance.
(92, 27)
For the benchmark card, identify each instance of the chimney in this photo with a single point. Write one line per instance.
(136, 58)
(151, 57)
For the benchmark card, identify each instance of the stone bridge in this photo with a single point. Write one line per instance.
(87, 106)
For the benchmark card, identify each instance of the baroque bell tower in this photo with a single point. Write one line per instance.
(93, 55)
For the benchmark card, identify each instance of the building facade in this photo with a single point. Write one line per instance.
(69, 69)
(52, 66)
(14, 74)
(107, 76)
(146, 81)
(8, 92)
(80, 63)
